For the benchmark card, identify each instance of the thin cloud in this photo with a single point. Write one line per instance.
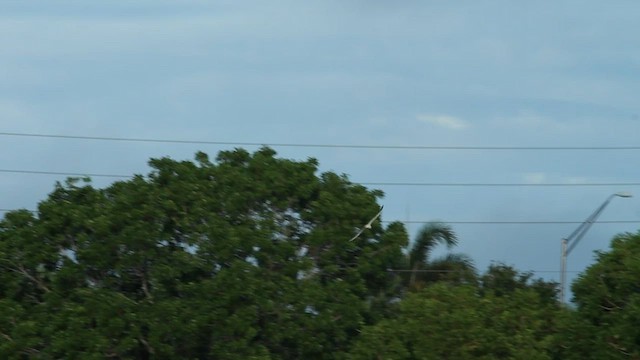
(535, 178)
(541, 178)
(576, 180)
(445, 121)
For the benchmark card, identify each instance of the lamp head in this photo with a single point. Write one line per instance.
(623, 194)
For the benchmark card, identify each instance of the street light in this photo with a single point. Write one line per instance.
(570, 242)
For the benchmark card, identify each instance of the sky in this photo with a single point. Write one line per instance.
(381, 73)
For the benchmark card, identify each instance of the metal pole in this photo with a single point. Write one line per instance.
(563, 269)
(575, 237)
(586, 225)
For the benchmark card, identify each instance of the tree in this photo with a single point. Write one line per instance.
(244, 257)
(503, 280)
(464, 321)
(457, 267)
(607, 300)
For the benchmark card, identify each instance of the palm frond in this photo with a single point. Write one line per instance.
(453, 262)
(429, 236)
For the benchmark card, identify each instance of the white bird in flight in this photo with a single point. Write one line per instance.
(368, 225)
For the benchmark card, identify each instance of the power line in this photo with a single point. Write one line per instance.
(310, 145)
(431, 184)
(541, 222)
(446, 184)
(35, 172)
(456, 271)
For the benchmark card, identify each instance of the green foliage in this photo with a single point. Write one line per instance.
(447, 321)
(607, 299)
(503, 280)
(428, 237)
(453, 267)
(246, 257)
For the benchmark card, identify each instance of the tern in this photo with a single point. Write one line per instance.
(368, 225)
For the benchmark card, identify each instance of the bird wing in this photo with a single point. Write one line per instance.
(368, 225)
(374, 218)
(358, 234)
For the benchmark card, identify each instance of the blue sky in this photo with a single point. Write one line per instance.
(427, 73)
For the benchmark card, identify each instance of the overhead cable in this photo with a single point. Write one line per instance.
(318, 145)
(432, 184)
(79, 174)
(463, 270)
(516, 222)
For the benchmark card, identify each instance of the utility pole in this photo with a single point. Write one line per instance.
(570, 242)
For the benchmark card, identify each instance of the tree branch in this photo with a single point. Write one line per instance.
(9, 338)
(21, 270)
(619, 348)
(147, 346)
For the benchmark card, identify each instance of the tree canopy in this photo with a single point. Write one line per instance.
(248, 257)
(607, 300)
(244, 257)
(463, 321)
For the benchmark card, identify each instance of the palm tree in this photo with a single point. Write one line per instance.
(456, 267)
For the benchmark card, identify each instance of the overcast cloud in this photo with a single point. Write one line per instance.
(465, 73)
